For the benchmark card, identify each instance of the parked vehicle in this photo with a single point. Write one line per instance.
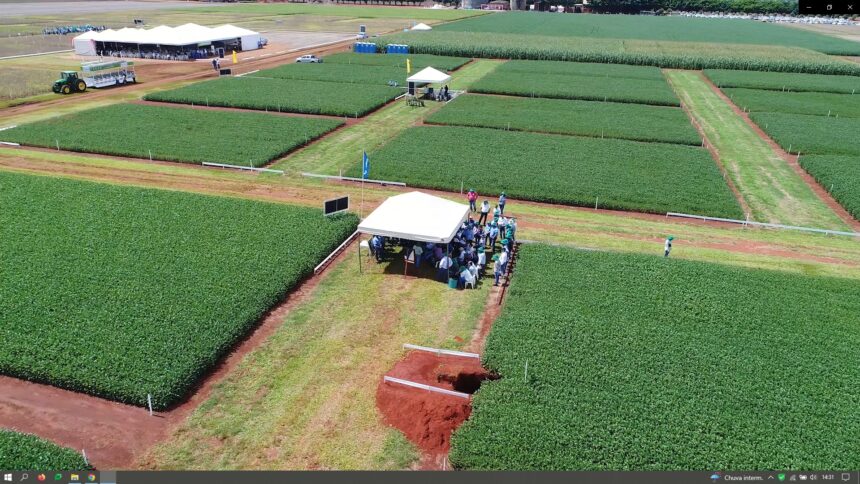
(309, 59)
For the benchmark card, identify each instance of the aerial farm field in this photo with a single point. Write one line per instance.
(785, 81)
(174, 134)
(817, 103)
(611, 173)
(282, 95)
(340, 73)
(23, 452)
(137, 292)
(800, 133)
(840, 175)
(585, 118)
(663, 364)
(418, 61)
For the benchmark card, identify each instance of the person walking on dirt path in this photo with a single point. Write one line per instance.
(472, 197)
(485, 210)
(497, 270)
(503, 199)
(215, 64)
(668, 246)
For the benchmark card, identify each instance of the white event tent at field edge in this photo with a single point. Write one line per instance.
(189, 35)
(416, 216)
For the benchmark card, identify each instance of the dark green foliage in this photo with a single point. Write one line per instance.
(282, 95)
(800, 133)
(379, 75)
(785, 81)
(660, 53)
(419, 61)
(174, 133)
(625, 175)
(816, 103)
(840, 175)
(640, 27)
(25, 452)
(119, 292)
(565, 86)
(644, 363)
(583, 69)
(737, 6)
(586, 118)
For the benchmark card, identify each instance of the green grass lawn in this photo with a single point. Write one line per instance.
(773, 191)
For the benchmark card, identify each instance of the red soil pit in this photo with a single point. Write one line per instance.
(428, 418)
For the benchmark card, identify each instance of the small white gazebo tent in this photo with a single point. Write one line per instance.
(424, 77)
(416, 216)
(421, 27)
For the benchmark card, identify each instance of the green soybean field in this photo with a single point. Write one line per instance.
(282, 95)
(379, 75)
(174, 134)
(784, 81)
(609, 173)
(121, 292)
(799, 133)
(418, 61)
(585, 118)
(839, 175)
(583, 69)
(815, 103)
(614, 361)
(25, 452)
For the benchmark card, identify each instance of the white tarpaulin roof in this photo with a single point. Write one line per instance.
(416, 216)
(422, 26)
(187, 34)
(429, 75)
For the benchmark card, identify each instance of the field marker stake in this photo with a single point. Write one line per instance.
(150, 155)
(595, 202)
(526, 377)
(84, 453)
(58, 144)
(149, 402)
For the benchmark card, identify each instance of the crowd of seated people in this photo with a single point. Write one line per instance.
(72, 29)
(466, 258)
(160, 54)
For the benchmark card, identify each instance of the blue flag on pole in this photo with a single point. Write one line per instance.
(365, 166)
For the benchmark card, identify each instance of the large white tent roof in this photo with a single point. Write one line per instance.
(163, 35)
(416, 216)
(429, 75)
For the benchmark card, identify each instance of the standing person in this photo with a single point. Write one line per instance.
(497, 270)
(417, 253)
(482, 260)
(493, 234)
(503, 199)
(668, 246)
(472, 197)
(215, 64)
(496, 213)
(485, 210)
(503, 262)
(444, 263)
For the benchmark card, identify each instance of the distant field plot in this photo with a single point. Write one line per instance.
(784, 81)
(25, 452)
(815, 103)
(811, 134)
(173, 134)
(418, 61)
(617, 174)
(327, 10)
(668, 54)
(379, 75)
(587, 118)
(840, 175)
(294, 96)
(640, 27)
(634, 371)
(563, 86)
(122, 292)
(583, 69)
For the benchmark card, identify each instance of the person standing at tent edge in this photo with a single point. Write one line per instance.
(472, 196)
(668, 247)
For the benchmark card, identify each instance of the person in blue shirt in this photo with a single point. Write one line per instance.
(503, 199)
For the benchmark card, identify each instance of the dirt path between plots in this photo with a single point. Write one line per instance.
(792, 160)
(114, 434)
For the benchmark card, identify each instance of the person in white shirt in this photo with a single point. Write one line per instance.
(668, 246)
(444, 263)
(482, 259)
(503, 261)
(485, 210)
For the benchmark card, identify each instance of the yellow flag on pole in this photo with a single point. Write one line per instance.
(235, 59)
(408, 66)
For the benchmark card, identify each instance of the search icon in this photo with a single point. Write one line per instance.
(24, 477)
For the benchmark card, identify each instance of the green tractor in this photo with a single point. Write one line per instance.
(69, 82)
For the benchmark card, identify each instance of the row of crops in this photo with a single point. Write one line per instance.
(586, 118)
(645, 28)
(25, 452)
(817, 117)
(121, 292)
(633, 362)
(174, 134)
(571, 170)
(660, 53)
(524, 78)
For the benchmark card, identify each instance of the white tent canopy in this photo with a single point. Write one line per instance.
(429, 75)
(187, 34)
(416, 216)
(422, 26)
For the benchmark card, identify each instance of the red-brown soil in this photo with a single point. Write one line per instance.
(428, 418)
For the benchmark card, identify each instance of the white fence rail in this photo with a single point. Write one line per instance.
(763, 224)
(349, 178)
(445, 391)
(439, 351)
(334, 253)
(239, 167)
(7, 143)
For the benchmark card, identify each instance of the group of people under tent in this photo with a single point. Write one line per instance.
(466, 258)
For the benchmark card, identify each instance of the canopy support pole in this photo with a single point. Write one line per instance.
(359, 254)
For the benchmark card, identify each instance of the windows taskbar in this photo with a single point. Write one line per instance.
(421, 477)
